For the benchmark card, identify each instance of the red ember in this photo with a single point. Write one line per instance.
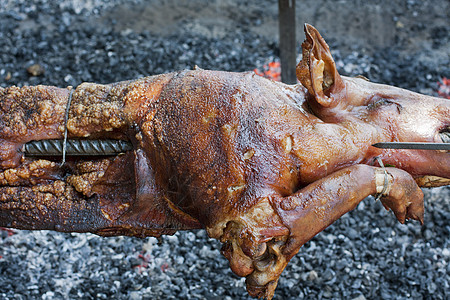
(271, 70)
(444, 88)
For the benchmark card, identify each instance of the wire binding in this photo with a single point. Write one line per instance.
(66, 118)
(386, 180)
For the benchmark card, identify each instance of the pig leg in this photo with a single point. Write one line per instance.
(315, 207)
(96, 111)
(36, 113)
(113, 196)
(40, 194)
(318, 205)
(57, 208)
(29, 113)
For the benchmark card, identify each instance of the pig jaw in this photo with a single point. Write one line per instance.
(397, 115)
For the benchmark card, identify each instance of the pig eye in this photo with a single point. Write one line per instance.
(378, 102)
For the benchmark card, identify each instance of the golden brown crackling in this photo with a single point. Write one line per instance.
(95, 109)
(92, 165)
(88, 173)
(39, 174)
(28, 111)
(29, 173)
(142, 97)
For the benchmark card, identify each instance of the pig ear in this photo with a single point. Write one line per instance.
(317, 70)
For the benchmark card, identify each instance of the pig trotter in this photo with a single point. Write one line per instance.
(404, 197)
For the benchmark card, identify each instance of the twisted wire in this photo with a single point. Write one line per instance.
(66, 118)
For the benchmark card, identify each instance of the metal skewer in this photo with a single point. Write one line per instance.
(115, 147)
(76, 147)
(413, 146)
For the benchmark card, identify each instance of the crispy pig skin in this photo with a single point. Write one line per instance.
(111, 196)
(261, 165)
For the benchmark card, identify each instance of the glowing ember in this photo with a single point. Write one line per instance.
(271, 70)
(444, 88)
(9, 231)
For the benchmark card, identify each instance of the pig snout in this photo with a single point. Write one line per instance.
(418, 118)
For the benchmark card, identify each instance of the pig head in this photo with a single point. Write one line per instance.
(261, 165)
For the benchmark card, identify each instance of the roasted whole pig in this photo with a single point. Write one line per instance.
(261, 165)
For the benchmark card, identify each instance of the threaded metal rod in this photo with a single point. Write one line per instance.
(77, 147)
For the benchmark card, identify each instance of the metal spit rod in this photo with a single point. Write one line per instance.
(77, 147)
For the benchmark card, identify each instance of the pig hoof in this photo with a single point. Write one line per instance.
(405, 198)
(415, 211)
